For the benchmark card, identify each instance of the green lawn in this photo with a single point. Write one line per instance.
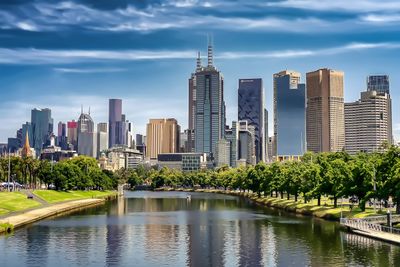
(52, 196)
(15, 201)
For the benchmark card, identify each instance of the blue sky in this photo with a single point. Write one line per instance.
(63, 55)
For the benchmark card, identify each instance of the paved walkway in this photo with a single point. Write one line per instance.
(34, 215)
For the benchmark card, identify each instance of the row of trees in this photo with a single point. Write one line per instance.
(78, 173)
(336, 175)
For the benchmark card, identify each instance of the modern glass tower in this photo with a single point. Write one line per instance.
(210, 107)
(115, 122)
(378, 83)
(289, 115)
(42, 128)
(251, 109)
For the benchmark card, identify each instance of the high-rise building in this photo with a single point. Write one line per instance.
(378, 83)
(367, 123)
(251, 108)
(42, 127)
(115, 122)
(87, 138)
(325, 111)
(27, 128)
(62, 135)
(289, 114)
(126, 135)
(210, 107)
(222, 155)
(72, 133)
(231, 135)
(246, 143)
(162, 136)
(102, 137)
(190, 147)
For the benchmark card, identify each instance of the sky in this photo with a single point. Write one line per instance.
(65, 54)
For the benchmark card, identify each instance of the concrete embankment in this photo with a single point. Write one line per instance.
(45, 212)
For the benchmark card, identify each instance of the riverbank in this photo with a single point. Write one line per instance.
(15, 221)
(327, 211)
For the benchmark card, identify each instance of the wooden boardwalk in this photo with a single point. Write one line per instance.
(372, 227)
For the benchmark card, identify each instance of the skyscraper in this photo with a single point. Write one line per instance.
(72, 133)
(378, 83)
(251, 109)
(42, 127)
(289, 115)
(162, 137)
(367, 122)
(246, 143)
(325, 111)
(87, 138)
(102, 137)
(115, 122)
(232, 135)
(210, 107)
(62, 135)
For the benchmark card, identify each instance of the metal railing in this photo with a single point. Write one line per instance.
(365, 225)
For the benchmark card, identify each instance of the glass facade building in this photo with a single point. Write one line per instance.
(251, 109)
(378, 83)
(289, 114)
(115, 122)
(42, 128)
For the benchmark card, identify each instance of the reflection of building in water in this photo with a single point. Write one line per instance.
(121, 204)
(268, 245)
(37, 245)
(250, 240)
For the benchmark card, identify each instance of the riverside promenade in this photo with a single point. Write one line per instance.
(31, 216)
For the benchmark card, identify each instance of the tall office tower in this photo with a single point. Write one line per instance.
(87, 138)
(126, 135)
(72, 133)
(367, 123)
(162, 136)
(115, 122)
(289, 115)
(183, 141)
(42, 127)
(246, 144)
(266, 136)
(102, 137)
(62, 135)
(231, 135)
(251, 109)
(325, 111)
(210, 107)
(192, 107)
(222, 154)
(378, 83)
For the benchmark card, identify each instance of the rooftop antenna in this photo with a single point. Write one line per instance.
(198, 62)
(81, 109)
(89, 110)
(210, 51)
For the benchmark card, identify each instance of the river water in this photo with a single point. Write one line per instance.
(167, 229)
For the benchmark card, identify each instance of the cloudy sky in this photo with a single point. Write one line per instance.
(63, 55)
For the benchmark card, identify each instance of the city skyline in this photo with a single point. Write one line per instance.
(62, 71)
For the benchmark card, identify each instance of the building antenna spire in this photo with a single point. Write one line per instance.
(198, 62)
(210, 51)
(81, 109)
(89, 110)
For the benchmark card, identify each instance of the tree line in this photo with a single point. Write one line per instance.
(335, 175)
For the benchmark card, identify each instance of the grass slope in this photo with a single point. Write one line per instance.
(52, 196)
(15, 201)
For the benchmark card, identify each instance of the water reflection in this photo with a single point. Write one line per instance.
(165, 229)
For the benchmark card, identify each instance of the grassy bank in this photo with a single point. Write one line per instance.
(325, 211)
(52, 196)
(15, 201)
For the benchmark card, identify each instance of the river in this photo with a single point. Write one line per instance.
(167, 229)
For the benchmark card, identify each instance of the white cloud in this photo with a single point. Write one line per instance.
(41, 56)
(89, 70)
(381, 18)
(27, 26)
(344, 5)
